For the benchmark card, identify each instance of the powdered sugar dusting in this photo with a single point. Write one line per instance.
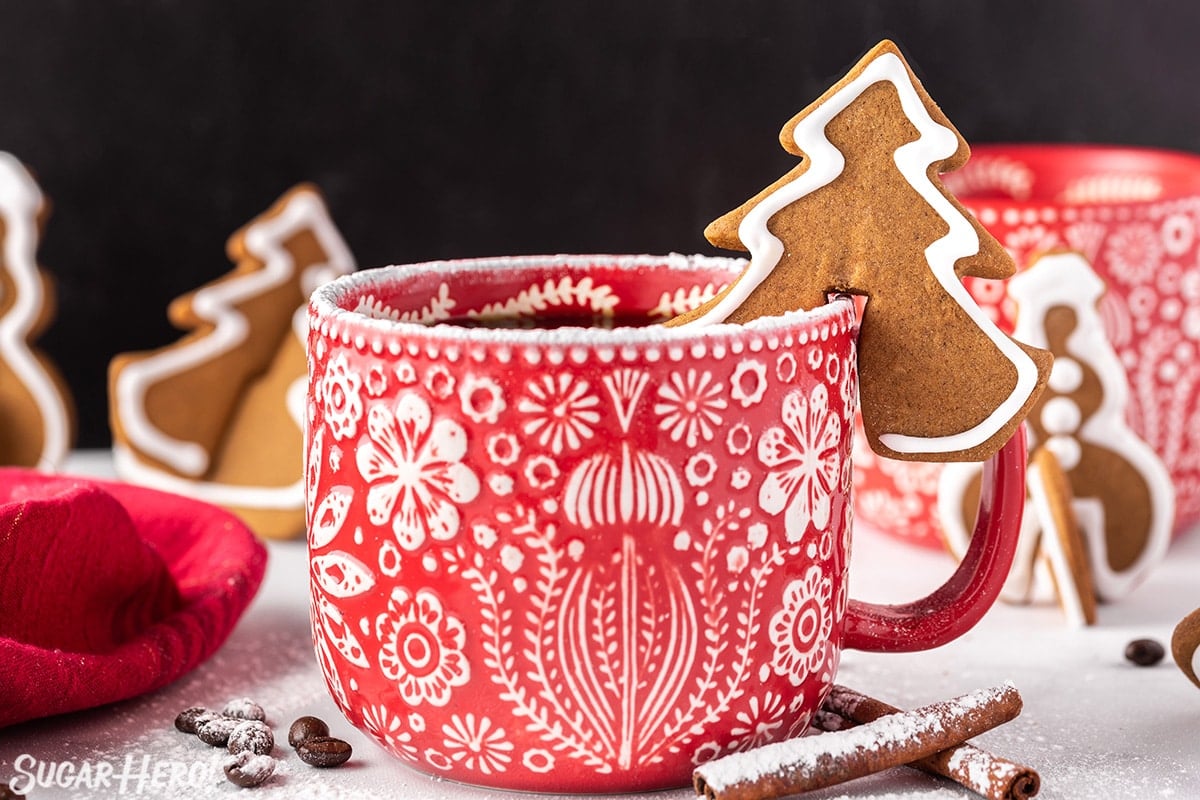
(822, 760)
(1093, 725)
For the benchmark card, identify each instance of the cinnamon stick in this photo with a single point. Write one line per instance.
(814, 762)
(994, 777)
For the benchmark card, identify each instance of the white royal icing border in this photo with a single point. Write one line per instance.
(265, 240)
(826, 162)
(20, 202)
(1038, 506)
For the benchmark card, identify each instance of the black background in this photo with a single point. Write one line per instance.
(447, 129)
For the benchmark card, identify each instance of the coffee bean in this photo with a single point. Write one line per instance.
(247, 769)
(216, 731)
(186, 721)
(306, 728)
(244, 708)
(253, 736)
(324, 751)
(1144, 652)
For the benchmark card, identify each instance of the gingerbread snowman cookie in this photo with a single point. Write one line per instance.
(36, 414)
(219, 414)
(865, 213)
(1123, 499)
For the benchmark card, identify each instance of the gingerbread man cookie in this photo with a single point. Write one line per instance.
(1123, 497)
(36, 414)
(219, 414)
(866, 213)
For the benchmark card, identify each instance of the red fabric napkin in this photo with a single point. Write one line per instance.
(109, 590)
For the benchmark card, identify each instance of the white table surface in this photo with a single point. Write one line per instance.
(1094, 726)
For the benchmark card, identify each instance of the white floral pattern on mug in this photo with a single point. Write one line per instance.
(689, 406)
(343, 406)
(573, 574)
(422, 647)
(800, 631)
(414, 469)
(562, 411)
(805, 462)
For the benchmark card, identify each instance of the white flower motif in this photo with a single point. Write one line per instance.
(801, 630)
(760, 723)
(485, 535)
(482, 399)
(541, 472)
(740, 478)
(756, 536)
(376, 381)
(477, 745)
(688, 406)
(700, 469)
(785, 367)
(739, 439)
(422, 647)
(503, 449)
(439, 381)
(339, 395)
(805, 466)
(1178, 234)
(379, 722)
(1134, 253)
(562, 411)
(406, 373)
(749, 382)
(413, 465)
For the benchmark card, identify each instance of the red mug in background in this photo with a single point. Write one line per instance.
(1134, 213)
(549, 553)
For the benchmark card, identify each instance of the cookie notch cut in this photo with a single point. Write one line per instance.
(219, 414)
(865, 213)
(37, 417)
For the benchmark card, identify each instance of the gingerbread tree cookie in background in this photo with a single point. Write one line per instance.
(219, 414)
(865, 213)
(36, 415)
(1123, 498)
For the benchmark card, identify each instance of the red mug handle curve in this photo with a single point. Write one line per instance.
(954, 608)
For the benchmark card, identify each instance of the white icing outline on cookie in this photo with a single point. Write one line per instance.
(1067, 279)
(20, 203)
(913, 160)
(264, 240)
(1038, 506)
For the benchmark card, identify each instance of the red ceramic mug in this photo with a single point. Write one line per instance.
(1135, 214)
(588, 558)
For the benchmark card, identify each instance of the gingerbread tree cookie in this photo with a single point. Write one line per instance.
(219, 414)
(1123, 498)
(36, 416)
(865, 213)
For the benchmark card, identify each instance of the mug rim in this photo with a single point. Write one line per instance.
(1158, 162)
(330, 316)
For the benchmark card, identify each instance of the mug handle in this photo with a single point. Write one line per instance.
(955, 607)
